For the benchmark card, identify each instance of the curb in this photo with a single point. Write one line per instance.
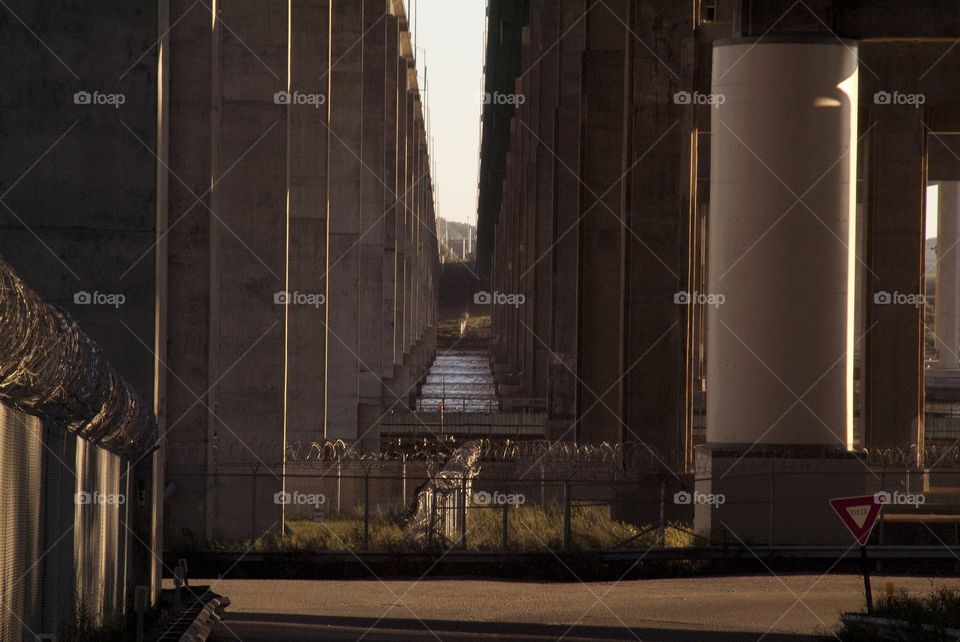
(894, 625)
(211, 614)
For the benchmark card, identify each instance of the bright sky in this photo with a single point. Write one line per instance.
(449, 39)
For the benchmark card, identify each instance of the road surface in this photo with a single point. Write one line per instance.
(791, 607)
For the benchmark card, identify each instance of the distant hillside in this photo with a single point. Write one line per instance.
(455, 229)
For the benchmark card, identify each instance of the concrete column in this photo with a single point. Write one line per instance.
(400, 286)
(601, 229)
(247, 258)
(785, 327)
(307, 143)
(343, 219)
(392, 82)
(188, 339)
(565, 257)
(399, 385)
(546, 32)
(948, 276)
(527, 125)
(893, 348)
(408, 215)
(374, 192)
(655, 247)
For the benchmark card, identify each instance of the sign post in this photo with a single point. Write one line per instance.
(860, 515)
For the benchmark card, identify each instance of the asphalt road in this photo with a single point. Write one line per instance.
(788, 607)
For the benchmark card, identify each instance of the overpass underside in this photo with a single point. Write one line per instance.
(707, 206)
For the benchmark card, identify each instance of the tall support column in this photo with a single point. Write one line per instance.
(188, 338)
(780, 295)
(307, 221)
(408, 217)
(546, 32)
(392, 81)
(527, 126)
(248, 260)
(343, 219)
(601, 227)
(784, 328)
(893, 347)
(373, 187)
(655, 243)
(948, 276)
(565, 256)
(400, 287)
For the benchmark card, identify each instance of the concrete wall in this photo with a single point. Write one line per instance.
(78, 191)
(294, 316)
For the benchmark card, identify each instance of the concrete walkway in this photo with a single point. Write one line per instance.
(721, 608)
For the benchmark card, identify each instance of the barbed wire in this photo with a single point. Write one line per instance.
(51, 369)
(628, 455)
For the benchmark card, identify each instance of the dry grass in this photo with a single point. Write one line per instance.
(530, 528)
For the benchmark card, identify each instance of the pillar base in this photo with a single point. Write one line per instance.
(942, 384)
(775, 494)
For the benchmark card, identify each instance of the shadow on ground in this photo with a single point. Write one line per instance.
(254, 627)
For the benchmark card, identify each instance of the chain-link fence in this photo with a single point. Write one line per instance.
(71, 429)
(539, 496)
(63, 534)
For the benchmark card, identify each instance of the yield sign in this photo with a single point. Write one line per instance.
(858, 514)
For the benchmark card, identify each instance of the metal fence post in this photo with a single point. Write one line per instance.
(773, 491)
(403, 483)
(883, 486)
(503, 534)
(463, 512)
(366, 511)
(543, 491)
(433, 496)
(566, 516)
(663, 508)
(253, 507)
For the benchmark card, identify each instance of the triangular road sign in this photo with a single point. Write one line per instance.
(858, 514)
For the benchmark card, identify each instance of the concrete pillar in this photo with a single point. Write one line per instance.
(948, 276)
(601, 229)
(307, 143)
(546, 32)
(780, 291)
(565, 256)
(343, 219)
(188, 339)
(247, 264)
(374, 191)
(409, 213)
(656, 243)
(784, 329)
(893, 348)
(392, 193)
(527, 127)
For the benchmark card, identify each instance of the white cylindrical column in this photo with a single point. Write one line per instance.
(781, 246)
(948, 271)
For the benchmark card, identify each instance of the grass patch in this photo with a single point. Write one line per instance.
(337, 534)
(938, 608)
(538, 528)
(529, 528)
(82, 626)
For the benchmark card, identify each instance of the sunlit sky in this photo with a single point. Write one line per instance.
(449, 39)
